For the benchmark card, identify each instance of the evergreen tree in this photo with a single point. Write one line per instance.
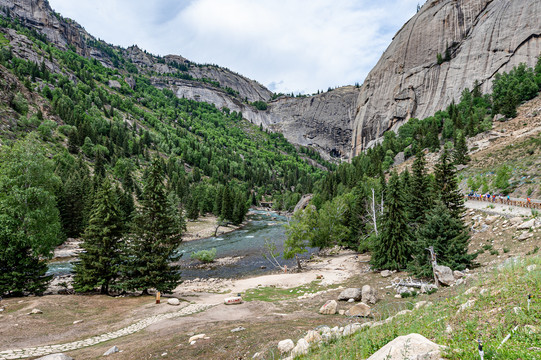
(420, 191)
(98, 265)
(240, 209)
(227, 204)
(450, 240)
(460, 152)
(447, 185)
(392, 249)
(157, 234)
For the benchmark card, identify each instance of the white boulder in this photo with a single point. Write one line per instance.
(329, 308)
(173, 301)
(351, 293)
(416, 346)
(444, 275)
(369, 295)
(285, 346)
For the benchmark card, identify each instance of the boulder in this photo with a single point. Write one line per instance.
(386, 273)
(458, 274)
(312, 337)
(35, 311)
(237, 329)
(516, 220)
(530, 224)
(351, 329)
(444, 275)
(285, 346)
(173, 301)
(369, 295)
(490, 219)
(58, 356)
(301, 348)
(351, 293)
(329, 308)
(524, 236)
(112, 350)
(196, 337)
(416, 346)
(361, 309)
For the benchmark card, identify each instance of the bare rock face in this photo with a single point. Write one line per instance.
(480, 39)
(37, 14)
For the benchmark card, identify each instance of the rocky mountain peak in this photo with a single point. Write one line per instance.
(444, 48)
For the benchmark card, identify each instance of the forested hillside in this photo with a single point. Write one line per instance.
(68, 123)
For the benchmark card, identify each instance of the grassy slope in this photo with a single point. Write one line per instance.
(490, 319)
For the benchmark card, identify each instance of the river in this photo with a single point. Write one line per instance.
(247, 243)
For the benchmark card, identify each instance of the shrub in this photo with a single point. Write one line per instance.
(206, 256)
(19, 104)
(260, 105)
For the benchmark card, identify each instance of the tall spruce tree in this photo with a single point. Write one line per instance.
(157, 233)
(448, 236)
(447, 185)
(392, 249)
(98, 265)
(420, 191)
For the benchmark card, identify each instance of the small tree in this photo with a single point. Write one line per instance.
(392, 249)
(300, 232)
(420, 190)
(450, 240)
(447, 185)
(98, 265)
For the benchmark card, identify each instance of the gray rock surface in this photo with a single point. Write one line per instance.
(409, 347)
(369, 295)
(483, 37)
(444, 275)
(351, 293)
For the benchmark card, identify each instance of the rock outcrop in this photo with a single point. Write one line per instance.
(475, 38)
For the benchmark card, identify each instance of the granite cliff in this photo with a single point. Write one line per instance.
(475, 38)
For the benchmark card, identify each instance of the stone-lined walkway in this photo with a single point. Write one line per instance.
(52, 349)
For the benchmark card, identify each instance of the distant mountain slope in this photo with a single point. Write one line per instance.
(444, 48)
(323, 122)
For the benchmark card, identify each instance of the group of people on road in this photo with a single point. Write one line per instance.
(503, 199)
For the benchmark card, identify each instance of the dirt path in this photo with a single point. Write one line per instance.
(75, 345)
(500, 209)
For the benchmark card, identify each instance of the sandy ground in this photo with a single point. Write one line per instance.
(333, 270)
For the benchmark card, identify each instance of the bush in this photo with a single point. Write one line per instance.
(260, 105)
(206, 256)
(19, 104)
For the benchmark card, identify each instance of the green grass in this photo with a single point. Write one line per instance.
(271, 294)
(490, 319)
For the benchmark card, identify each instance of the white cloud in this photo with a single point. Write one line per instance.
(288, 45)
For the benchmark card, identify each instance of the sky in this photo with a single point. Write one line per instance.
(287, 45)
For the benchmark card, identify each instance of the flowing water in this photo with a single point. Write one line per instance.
(247, 243)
